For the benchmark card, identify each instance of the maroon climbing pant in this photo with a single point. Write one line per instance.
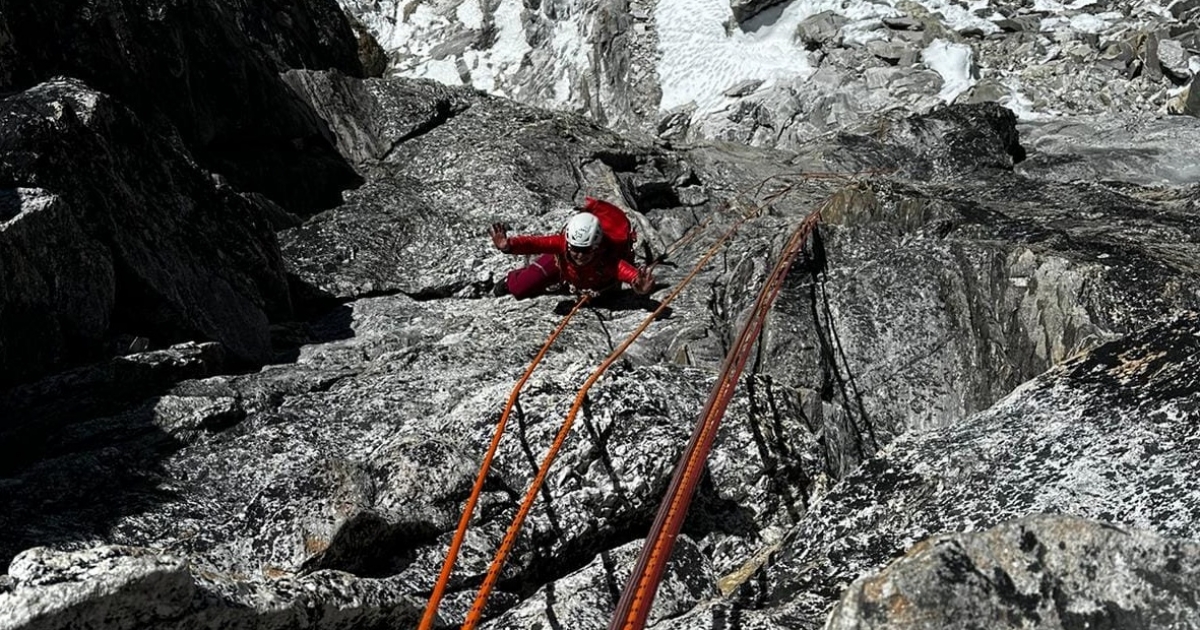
(534, 279)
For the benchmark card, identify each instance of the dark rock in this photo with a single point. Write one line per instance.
(372, 56)
(208, 69)
(1020, 23)
(1152, 65)
(960, 139)
(34, 412)
(744, 10)
(145, 243)
(1181, 9)
(371, 118)
(904, 23)
(742, 88)
(675, 124)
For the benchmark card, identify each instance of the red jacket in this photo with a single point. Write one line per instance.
(605, 268)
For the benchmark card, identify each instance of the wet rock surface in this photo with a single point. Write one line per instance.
(1006, 327)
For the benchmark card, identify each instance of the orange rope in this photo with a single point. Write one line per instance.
(635, 602)
(439, 588)
(510, 537)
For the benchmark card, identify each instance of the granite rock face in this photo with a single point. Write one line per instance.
(1005, 327)
(208, 70)
(1047, 571)
(952, 279)
(1105, 436)
(110, 231)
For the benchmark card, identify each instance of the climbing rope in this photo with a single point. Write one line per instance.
(430, 615)
(439, 588)
(510, 537)
(494, 570)
(634, 605)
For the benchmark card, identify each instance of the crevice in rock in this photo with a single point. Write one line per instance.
(656, 195)
(443, 114)
(367, 545)
(618, 161)
(783, 468)
(430, 293)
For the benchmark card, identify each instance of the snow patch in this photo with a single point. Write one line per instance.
(571, 55)
(953, 62)
(470, 14)
(29, 200)
(959, 18)
(700, 59)
(1082, 23)
(440, 70)
(1020, 104)
(488, 68)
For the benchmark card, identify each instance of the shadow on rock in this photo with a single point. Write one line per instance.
(321, 318)
(72, 466)
(91, 476)
(619, 301)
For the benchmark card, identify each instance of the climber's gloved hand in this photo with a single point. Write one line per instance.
(644, 282)
(499, 234)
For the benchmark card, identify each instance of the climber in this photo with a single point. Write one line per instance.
(593, 253)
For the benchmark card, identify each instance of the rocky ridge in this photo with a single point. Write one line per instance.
(604, 59)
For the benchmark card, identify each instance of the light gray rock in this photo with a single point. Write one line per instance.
(102, 587)
(1191, 100)
(1174, 59)
(820, 30)
(1104, 436)
(1044, 570)
(585, 597)
(893, 52)
(1146, 151)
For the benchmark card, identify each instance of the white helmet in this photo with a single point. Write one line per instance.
(583, 231)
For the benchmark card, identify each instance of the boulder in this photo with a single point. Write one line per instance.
(820, 30)
(744, 10)
(1051, 571)
(1174, 60)
(110, 230)
(210, 70)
